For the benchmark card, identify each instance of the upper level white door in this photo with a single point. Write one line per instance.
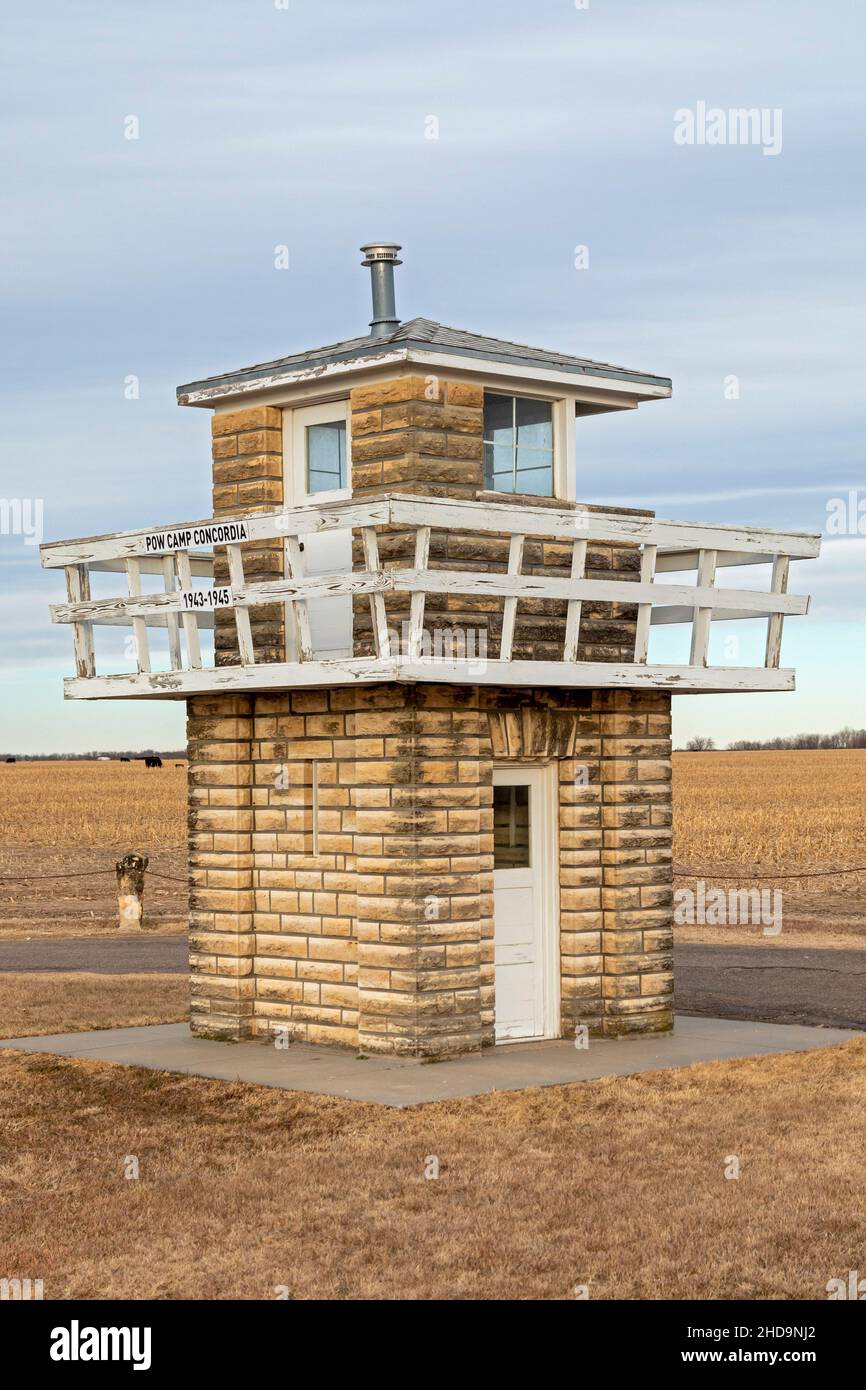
(526, 953)
(317, 467)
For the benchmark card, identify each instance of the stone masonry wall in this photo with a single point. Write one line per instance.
(248, 477)
(424, 436)
(384, 939)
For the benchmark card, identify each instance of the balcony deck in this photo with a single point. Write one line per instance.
(184, 553)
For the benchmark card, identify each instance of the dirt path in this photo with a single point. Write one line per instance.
(772, 983)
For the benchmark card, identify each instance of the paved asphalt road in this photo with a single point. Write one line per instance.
(776, 984)
(121, 955)
(771, 983)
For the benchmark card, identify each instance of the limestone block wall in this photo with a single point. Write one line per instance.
(248, 477)
(424, 435)
(379, 933)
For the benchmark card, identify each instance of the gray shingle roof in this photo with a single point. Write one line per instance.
(427, 335)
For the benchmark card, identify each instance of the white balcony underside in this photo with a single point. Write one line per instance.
(267, 677)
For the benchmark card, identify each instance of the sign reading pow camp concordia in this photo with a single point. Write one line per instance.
(219, 533)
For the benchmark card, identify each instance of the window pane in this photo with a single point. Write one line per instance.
(499, 467)
(534, 424)
(534, 473)
(326, 457)
(498, 419)
(511, 827)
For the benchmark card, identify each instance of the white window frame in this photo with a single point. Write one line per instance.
(295, 422)
(564, 441)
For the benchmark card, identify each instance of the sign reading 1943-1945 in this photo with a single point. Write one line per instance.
(216, 533)
(205, 599)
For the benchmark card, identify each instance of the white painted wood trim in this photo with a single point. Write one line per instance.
(596, 590)
(575, 607)
(509, 607)
(417, 601)
(351, 671)
(297, 608)
(441, 363)
(78, 591)
(172, 623)
(246, 650)
(779, 585)
(188, 618)
(644, 612)
(139, 626)
(703, 615)
(683, 538)
(377, 602)
(453, 514)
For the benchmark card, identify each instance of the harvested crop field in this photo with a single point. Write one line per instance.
(63, 826)
(734, 814)
(777, 814)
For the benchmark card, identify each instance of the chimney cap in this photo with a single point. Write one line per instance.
(381, 251)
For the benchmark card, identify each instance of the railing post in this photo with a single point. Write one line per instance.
(243, 628)
(171, 621)
(575, 607)
(416, 603)
(139, 625)
(703, 616)
(645, 610)
(300, 612)
(190, 621)
(509, 606)
(377, 601)
(78, 591)
(779, 585)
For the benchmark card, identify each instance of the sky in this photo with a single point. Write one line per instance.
(736, 268)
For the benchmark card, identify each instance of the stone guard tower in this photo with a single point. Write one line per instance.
(429, 752)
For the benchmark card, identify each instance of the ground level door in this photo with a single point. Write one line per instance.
(525, 936)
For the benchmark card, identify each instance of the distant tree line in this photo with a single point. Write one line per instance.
(92, 756)
(843, 738)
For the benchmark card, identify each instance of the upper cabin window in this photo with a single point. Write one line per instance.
(326, 456)
(518, 445)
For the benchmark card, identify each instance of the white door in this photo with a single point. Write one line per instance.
(317, 467)
(526, 955)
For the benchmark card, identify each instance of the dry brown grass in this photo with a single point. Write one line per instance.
(618, 1184)
(736, 813)
(75, 1001)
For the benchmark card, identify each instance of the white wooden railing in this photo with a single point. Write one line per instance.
(182, 554)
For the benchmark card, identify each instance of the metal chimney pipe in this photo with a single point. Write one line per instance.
(381, 257)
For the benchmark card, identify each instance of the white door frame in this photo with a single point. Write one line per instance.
(295, 492)
(542, 779)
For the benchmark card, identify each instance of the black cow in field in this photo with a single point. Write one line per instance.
(10, 760)
(153, 760)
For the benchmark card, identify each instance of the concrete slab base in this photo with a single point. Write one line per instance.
(400, 1081)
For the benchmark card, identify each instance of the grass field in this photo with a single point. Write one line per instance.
(52, 1001)
(616, 1184)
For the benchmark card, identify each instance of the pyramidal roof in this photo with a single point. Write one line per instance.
(423, 335)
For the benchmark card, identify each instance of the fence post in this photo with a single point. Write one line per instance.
(130, 890)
